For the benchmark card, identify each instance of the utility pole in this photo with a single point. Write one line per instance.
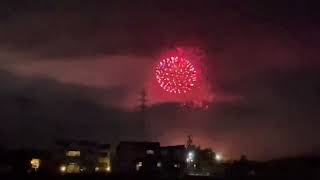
(189, 142)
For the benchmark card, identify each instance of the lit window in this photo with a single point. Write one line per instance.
(73, 153)
(103, 160)
(103, 169)
(73, 168)
(35, 163)
(150, 151)
(138, 166)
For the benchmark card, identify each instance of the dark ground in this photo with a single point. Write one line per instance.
(287, 168)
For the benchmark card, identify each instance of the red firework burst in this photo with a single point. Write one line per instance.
(176, 75)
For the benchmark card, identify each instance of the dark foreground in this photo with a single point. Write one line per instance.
(290, 168)
(94, 177)
(87, 177)
(281, 176)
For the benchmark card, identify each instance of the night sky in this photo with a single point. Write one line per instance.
(75, 69)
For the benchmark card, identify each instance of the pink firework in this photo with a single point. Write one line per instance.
(176, 75)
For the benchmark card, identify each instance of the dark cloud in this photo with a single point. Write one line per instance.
(44, 110)
(79, 28)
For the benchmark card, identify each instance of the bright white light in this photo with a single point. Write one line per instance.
(96, 169)
(150, 151)
(190, 157)
(138, 166)
(218, 157)
(108, 169)
(63, 168)
(159, 164)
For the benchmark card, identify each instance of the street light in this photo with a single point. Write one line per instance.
(218, 157)
(190, 157)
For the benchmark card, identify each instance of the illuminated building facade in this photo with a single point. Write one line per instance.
(85, 157)
(104, 159)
